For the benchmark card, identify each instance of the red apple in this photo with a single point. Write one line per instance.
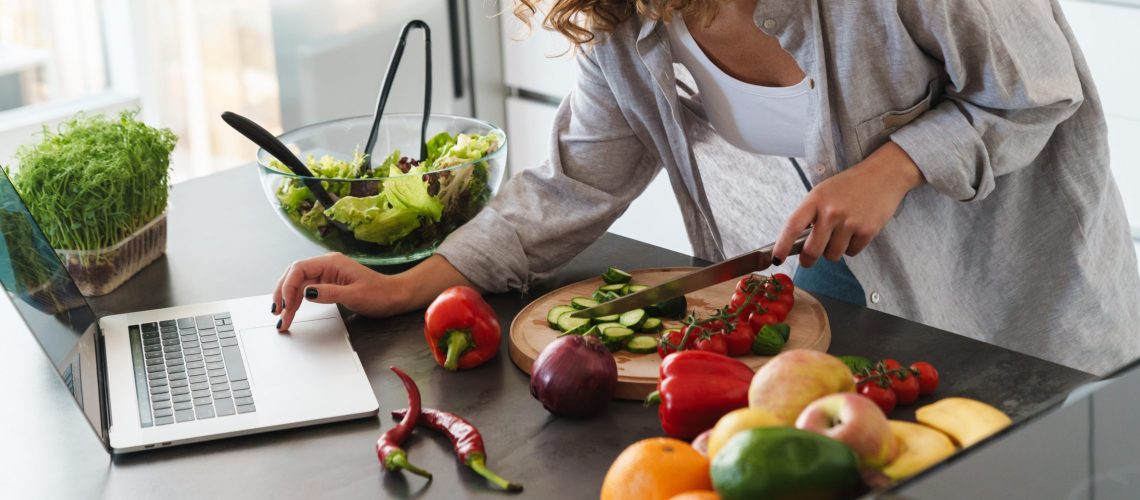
(855, 421)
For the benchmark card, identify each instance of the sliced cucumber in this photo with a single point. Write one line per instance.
(602, 296)
(583, 303)
(636, 288)
(633, 319)
(642, 344)
(614, 276)
(618, 288)
(555, 313)
(573, 326)
(617, 334)
(613, 318)
(651, 325)
(603, 326)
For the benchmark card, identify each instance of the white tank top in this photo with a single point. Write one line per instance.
(765, 120)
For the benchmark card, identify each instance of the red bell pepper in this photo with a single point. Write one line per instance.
(696, 388)
(461, 329)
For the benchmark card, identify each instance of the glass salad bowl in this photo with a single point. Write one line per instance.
(394, 210)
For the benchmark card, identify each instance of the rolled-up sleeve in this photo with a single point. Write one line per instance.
(1012, 80)
(544, 216)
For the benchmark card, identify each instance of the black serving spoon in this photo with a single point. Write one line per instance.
(386, 88)
(275, 147)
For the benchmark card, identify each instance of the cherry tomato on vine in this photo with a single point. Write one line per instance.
(739, 298)
(891, 364)
(758, 319)
(882, 396)
(778, 309)
(671, 341)
(712, 343)
(927, 377)
(740, 338)
(784, 280)
(905, 387)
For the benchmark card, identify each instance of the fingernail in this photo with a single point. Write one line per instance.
(777, 261)
(310, 293)
(278, 324)
(273, 308)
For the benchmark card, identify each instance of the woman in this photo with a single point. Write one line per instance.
(957, 151)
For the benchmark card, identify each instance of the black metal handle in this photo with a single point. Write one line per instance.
(456, 48)
(382, 100)
(275, 147)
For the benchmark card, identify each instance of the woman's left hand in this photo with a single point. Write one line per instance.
(849, 209)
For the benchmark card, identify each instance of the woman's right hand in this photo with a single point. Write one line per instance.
(337, 279)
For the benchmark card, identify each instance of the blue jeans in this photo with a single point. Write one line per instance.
(833, 279)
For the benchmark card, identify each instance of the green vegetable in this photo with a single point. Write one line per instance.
(768, 342)
(782, 462)
(642, 344)
(555, 313)
(615, 276)
(95, 180)
(857, 364)
(783, 329)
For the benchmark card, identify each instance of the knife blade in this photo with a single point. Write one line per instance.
(756, 260)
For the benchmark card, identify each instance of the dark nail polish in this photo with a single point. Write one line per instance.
(273, 308)
(777, 261)
(278, 324)
(310, 293)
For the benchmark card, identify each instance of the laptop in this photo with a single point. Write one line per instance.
(183, 374)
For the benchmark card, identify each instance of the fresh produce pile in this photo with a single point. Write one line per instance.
(796, 428)
(401, 204)
(888, 383)
(752, 322)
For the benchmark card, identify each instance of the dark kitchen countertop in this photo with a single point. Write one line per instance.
(225, 242)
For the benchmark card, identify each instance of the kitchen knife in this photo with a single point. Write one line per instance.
(756, 260)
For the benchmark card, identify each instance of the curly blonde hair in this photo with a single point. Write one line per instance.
(581, 21)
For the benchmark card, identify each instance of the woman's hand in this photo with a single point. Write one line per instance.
(336, 279)
(849, 209)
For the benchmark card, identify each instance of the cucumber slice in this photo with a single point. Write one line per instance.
(642, 344)
(573, 326)
(617, 288)
(633, 319)
(636, 288)
(555, 313)
(603, 296)
(603, 326)
(613, 318)
(616, 334)
(583, 303)
(614, 276)
(651, 325)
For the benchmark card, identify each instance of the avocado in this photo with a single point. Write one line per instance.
(783, 462)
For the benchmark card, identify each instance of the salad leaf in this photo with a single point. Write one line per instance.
(437, 145)
(467, 148)
(369, 221)
(410, 192)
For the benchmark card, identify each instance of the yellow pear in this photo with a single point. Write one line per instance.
(919, 447)
(736, 421)
(966, 421)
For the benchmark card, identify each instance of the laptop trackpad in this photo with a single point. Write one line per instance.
(303, 363)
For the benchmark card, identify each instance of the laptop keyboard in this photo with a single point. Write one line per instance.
(189, 369)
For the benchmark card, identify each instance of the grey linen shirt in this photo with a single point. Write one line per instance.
(1019, 238)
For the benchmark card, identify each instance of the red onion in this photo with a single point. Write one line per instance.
(574, 376)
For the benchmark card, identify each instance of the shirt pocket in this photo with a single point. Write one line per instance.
(873, 133)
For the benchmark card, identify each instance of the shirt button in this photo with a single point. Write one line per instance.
(875, 297)
(819, 169)
(769, 23)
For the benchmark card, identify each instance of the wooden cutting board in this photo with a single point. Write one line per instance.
(637, 373)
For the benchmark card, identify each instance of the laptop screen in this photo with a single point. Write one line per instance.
(50, 303)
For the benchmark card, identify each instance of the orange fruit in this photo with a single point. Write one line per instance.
(696, 495)
(656, 469)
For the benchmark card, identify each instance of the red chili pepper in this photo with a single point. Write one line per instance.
(461, 329)
(388, 446)
(696, 388)
(466, 440)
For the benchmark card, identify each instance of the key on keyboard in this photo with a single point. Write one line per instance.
(217, 385)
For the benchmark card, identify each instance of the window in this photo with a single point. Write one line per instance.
(183, 62)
